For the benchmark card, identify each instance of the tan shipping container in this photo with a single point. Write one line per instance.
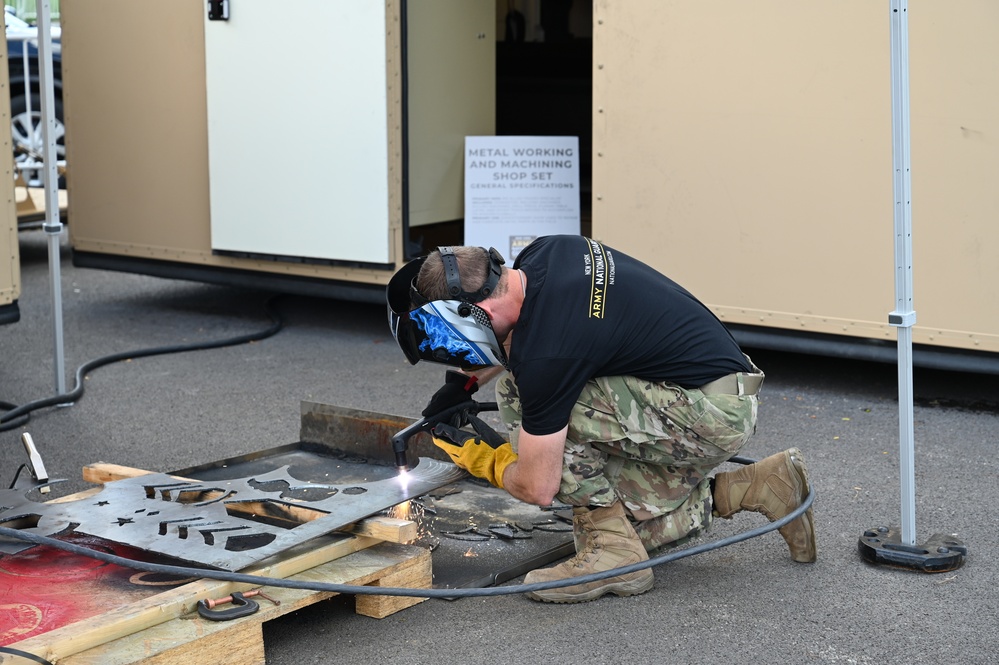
(744, 148)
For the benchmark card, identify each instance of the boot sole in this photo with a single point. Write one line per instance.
(631, 588)
(807, 519)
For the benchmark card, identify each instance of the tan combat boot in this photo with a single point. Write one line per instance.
(604, 539)
(775, 486)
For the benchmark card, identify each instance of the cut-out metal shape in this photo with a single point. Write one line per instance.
(227, 524)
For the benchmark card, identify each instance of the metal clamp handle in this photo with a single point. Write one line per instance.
(241, 608)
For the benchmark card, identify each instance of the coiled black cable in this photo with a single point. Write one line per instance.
(18, 415)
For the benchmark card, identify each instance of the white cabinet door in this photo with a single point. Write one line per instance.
(297, 130)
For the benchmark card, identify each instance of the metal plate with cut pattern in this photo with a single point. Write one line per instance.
(227, 524)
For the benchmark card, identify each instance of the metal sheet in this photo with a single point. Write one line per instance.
(227, 524)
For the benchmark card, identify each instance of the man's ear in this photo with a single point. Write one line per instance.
(489, 305)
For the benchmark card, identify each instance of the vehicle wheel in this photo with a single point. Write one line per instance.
(27, 136)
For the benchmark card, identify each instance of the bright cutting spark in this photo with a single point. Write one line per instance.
(400, 511)
(414, 512)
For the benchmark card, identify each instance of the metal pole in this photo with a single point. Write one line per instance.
(28, 101)
(883, 544)
(50, 176)
(903, 316)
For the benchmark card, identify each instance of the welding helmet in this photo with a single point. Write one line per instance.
(455, 331)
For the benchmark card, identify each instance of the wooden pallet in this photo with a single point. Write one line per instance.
(166, 628)
(190, 639)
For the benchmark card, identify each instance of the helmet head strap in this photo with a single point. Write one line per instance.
(452, 278)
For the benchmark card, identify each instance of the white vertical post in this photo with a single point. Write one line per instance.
(903, 316)
(50, 176)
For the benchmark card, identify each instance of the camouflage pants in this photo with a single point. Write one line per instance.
(650, 445)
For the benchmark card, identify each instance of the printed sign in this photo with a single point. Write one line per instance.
(518, 188)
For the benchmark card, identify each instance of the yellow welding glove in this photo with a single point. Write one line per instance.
(484, 453)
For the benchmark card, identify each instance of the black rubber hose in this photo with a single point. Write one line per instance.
(18, 415)
(14, 421)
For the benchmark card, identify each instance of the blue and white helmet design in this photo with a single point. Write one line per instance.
(453, 332)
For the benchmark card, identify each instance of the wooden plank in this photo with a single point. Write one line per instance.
(417, 573)
(190, 639)
(389, 529)
(103, 472)
(383, 528)
(241, 644)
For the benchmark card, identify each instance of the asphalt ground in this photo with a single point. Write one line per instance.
(747, 603)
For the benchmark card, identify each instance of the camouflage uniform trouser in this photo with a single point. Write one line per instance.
(650, 445)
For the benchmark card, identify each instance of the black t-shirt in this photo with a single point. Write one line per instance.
(593, 311)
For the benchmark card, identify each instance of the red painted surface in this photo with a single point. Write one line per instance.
(44, 588)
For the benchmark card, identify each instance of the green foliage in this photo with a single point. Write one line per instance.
(26, 9)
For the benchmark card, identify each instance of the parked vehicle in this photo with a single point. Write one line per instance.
(25, 100)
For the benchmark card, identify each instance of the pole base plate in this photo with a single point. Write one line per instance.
(939, 554)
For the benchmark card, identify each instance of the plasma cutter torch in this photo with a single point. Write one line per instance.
(455, 415)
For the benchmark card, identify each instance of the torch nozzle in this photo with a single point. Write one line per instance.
(400, 461)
